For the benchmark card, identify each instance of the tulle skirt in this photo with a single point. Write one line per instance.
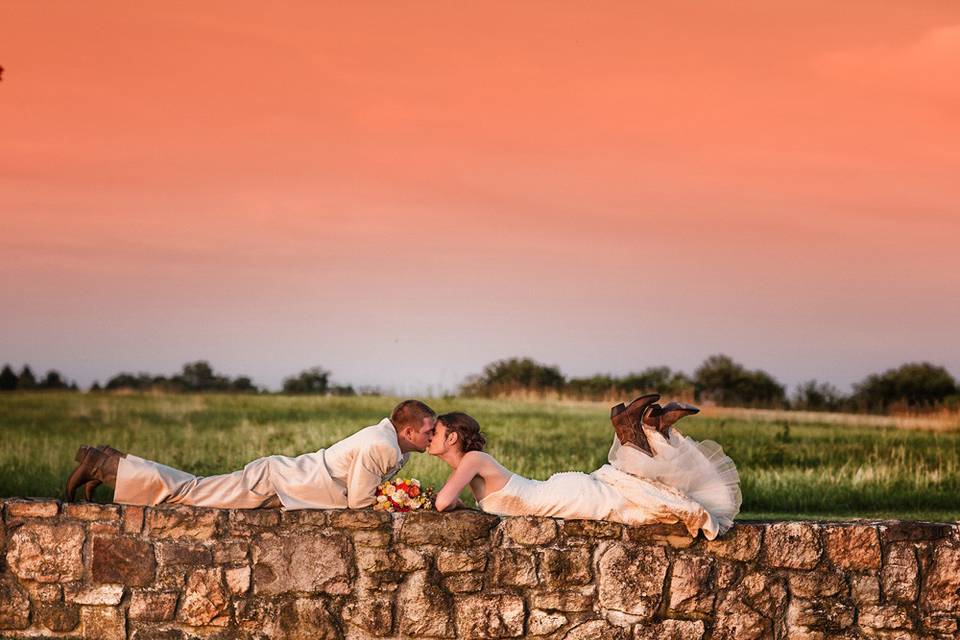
(699, 470)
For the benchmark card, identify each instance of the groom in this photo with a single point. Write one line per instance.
(344, 475)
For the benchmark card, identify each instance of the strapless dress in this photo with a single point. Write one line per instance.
(685, 481)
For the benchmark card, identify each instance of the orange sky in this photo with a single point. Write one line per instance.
(402, 192)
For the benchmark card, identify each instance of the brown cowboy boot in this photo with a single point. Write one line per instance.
(628, 422)
(662, 418)
(652, 418)
(673, 411)
(90, 486)
(94, 465)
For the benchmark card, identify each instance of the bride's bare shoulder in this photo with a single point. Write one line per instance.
(484, 463)
(478, 458)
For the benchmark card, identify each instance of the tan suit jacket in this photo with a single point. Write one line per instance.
(344, 475)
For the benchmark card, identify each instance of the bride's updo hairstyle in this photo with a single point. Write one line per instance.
(466, 428)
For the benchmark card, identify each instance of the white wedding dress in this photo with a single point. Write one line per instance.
(685, 481)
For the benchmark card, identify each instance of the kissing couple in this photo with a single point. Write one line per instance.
(654, 473)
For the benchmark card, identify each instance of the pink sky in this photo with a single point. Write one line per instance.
(402, 192)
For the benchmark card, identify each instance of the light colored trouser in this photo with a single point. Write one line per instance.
(145, 482)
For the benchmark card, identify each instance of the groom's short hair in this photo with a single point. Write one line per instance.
(410, 413)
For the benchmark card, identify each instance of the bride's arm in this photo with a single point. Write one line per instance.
(449, 495)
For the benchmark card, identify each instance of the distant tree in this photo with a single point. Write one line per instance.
(96, 386)
(762, 390)
(817, 396)
(8, 379)
(315, 380)
(194, 377)
(603, 386)
(342, 390)
(514, 374)
(657, 379)
(135, 382)
(243, 384)
(53, 381)
(726, 382)
(199, 376)
(595, 387)
(26, 380)
(915, 385)
(717, 377)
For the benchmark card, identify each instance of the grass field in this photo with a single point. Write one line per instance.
(787, 469)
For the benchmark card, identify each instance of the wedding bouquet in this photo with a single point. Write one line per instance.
(403, 494)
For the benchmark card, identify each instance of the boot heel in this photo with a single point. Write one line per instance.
(88, 489)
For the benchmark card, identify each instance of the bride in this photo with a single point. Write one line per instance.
(655, 474)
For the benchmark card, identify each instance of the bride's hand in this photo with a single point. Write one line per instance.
(449, 496)
(453, 506)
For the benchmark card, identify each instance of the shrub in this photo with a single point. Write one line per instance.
(726, 382)
(915, 385)
(315, 380)
(818, 396)
(512, 375)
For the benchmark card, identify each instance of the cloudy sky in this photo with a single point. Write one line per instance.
(402, 192)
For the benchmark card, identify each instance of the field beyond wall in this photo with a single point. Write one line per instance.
(836, 469)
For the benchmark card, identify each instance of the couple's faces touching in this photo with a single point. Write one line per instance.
(432, 437)
(420, 438)
(443, 440)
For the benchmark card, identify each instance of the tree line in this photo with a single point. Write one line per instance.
(915, 386)
(27, 381)
(194, 377)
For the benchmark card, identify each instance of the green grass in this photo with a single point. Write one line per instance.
(787, 470)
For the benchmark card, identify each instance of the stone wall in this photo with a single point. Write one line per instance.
(104, 571)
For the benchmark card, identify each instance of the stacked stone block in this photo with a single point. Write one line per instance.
(176, 573)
